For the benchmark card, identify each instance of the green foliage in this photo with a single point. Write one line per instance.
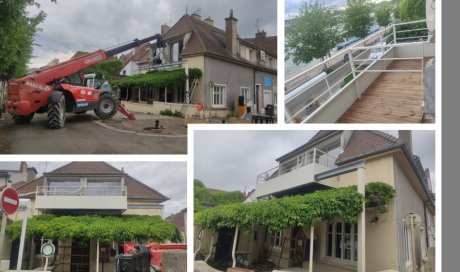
(358, 18)
(328, 70)
(347, 79)
(105, 228)
(107, 69)
(158, 79)
(168, 112)
(300, 210)
(313, 33)
(383, 14)
(379, 195)
(278, 214)
(203, 197)
(17, 32)
(412, 10)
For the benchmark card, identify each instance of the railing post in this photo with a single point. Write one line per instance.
(394, 34)
(353, 70)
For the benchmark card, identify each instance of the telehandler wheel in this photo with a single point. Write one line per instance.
(56, 113)
(107, 106)
(22, 119)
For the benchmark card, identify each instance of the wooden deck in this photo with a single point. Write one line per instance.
(392, 98)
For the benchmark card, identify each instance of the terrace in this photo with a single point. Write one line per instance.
(380, 79)
(296, 172)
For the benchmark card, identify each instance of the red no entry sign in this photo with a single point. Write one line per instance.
(9, 200)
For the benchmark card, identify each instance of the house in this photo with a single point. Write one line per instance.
(232, 66)
(180, 221)
(84, 188)
(17, 177)
(400, 239)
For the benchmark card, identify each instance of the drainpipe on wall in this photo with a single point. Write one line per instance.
(187, 88)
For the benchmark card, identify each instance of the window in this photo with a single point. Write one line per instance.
(64, 187)
(218, 96)
(342, 241)
(277, 238)
(103, 187)
(246, 93)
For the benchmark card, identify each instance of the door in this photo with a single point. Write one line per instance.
(268, 99)
(79, 257)
(224, 244)
(14, 254)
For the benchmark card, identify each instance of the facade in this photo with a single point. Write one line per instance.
(80, 188)
(17, 177)
(232, 66)
(391, 244)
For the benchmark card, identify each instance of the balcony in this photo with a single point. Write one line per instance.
(78, 198)
(380, 79)
(294, 173)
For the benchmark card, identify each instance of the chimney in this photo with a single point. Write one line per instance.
(164, 28)
(260, 35)
(406, 137)
(230, 29)
(23, 167)
(209, 21)
(196, 16)
(31, 174)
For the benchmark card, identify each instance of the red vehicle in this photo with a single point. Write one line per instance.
(145, 258)
(55, 90)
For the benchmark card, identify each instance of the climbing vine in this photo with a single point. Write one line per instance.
(104, 228)
(158, 79)
(379, 195)
(300, 210)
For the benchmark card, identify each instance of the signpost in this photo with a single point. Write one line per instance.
(9, 200)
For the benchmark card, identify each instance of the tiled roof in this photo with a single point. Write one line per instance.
(268, 44)
(209, 39)
(363, 142)
(135, 188)
(140, 54)
(178, 219)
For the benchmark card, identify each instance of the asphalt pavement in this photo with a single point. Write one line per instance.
(83, 134)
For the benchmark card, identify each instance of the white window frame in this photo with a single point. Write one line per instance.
(277, 238)
(353, 242)
(223, 93)
(246, 92)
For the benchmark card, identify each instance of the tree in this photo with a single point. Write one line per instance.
(312, 34)
(358, 18)
(107, 69)
(383, 14)
(17, 32)
(412, 10)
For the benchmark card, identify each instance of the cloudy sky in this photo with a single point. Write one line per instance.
(169, 178)
(231, 160)
(87, 25)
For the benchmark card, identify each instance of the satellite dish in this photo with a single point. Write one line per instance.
(430, 14)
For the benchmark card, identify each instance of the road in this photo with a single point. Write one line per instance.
(82, 135)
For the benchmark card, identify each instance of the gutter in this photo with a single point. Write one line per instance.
(408, 156)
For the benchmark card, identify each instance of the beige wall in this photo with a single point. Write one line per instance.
(197, 62)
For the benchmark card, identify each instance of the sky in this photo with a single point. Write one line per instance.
(231, 160)
(168, 178)
(87, 25)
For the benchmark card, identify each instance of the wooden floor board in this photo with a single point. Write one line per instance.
(392, 98)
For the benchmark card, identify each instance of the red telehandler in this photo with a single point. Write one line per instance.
(57, 89)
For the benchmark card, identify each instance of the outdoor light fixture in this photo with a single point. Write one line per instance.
(211, 84)
(374, 220)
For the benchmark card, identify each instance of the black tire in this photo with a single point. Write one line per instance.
(56, 113)
(107, 106)
(22, 119)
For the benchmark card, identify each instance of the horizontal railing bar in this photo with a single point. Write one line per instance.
(385, 45)
(409, 23)
(414, 58)
(414, 37)
(411, 30)
(391, 71)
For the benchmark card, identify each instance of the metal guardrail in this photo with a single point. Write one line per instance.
(311, 156)
(356, 55)
(81, 191)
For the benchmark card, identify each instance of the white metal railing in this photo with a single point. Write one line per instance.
(311, 156)
(317, 94)
(81, 191)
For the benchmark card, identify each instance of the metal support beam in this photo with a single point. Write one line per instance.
(24, 203)
(312, 238)
(235, 240)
